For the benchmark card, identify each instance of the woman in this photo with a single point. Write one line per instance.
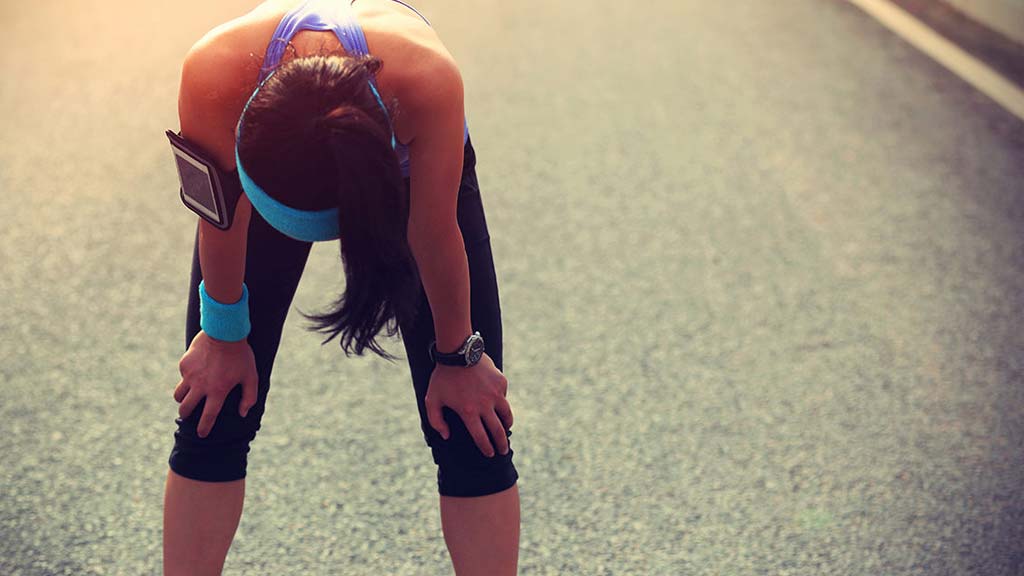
(351, 126)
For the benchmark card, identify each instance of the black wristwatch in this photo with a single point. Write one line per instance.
(467, 355)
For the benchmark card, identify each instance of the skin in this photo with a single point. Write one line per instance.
(218, 76)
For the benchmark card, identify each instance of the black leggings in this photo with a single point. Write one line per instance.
(274, 264)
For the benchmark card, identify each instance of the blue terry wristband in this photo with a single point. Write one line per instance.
(227, 322)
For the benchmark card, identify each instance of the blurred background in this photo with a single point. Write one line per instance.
(762, 278)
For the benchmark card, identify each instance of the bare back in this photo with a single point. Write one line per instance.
(394, 33)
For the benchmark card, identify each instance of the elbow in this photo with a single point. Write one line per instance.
(433, 234)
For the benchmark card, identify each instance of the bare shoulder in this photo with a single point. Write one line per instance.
(424, 77)
(221, 68)
(430, 70)
(216, 76)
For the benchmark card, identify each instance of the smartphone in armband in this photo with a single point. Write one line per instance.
(205, 189)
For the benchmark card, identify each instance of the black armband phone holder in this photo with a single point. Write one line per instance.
(205, 189)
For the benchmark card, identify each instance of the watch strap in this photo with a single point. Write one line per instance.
(457, 358)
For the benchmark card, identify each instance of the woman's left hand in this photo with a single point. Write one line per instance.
(477, 395)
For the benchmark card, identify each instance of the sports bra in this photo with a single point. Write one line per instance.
(337, 16)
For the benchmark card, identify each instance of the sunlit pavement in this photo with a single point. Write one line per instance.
(761, 271)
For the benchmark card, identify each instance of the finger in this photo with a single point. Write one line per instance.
(497, 432)
(504, 411)
(184, 363)
(210, 412)
(188, 404)
(435, 416)
(476, 430)
(180, 390)
(250, 388)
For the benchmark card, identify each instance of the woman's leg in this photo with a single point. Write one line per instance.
(479, 497)
(206, 481)
(200, 519)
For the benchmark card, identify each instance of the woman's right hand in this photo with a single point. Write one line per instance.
(212, 368)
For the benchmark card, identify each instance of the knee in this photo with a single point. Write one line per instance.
(462, 470)
(457, 479)
(221, 456)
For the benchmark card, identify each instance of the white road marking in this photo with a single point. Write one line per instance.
(974, 71)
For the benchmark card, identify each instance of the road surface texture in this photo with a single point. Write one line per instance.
(762, 279)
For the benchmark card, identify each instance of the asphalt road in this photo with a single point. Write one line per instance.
(762, 278)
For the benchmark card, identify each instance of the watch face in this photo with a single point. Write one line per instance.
(476, 350)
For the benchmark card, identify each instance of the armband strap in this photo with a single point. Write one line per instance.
(227, 322)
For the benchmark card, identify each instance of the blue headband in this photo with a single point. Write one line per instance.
(304, 225)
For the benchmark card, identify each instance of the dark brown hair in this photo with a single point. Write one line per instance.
(315, 137)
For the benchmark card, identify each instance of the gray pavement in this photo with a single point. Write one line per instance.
(762, 278)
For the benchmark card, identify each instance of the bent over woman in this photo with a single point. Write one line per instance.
(338, 120)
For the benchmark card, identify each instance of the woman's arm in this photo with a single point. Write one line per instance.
(435, 110)
(206, 111)
(210, 369)
(477, 393)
